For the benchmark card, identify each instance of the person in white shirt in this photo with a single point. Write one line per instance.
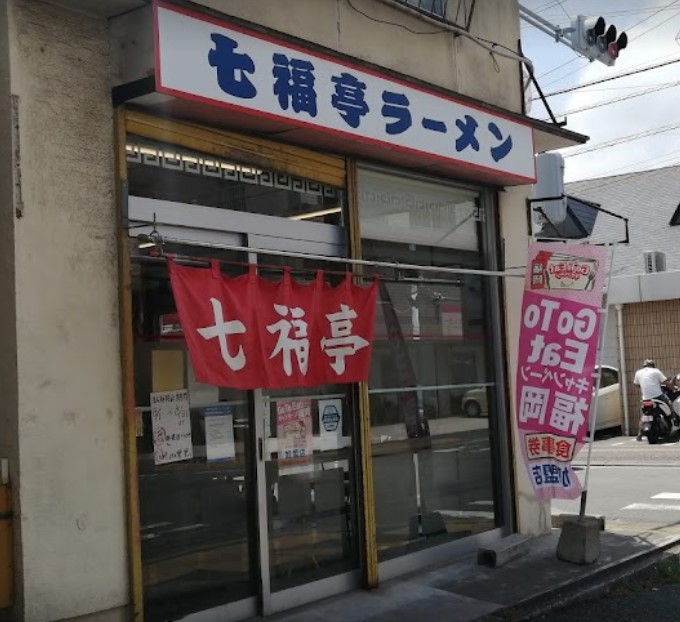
(650, 380)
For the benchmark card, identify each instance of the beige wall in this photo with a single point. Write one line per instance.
(8, 363)
(71, 483)
(452, 62)
(533, 516)
(650, 330)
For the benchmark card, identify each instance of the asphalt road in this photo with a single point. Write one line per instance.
(624, 450)
(652, 604)
(636, 487)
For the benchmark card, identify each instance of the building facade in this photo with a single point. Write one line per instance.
(645, 285)
(230, 135)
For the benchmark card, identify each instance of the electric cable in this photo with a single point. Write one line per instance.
(492, 46)
(609, 79)
(616, 100)
(624, 139)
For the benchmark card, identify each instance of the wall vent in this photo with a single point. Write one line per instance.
(655, 261)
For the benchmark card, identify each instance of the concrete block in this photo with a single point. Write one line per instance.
(580, 540)
(558, 520)
(503, 551)
(433, 523)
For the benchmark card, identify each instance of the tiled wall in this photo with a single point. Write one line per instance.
(650, 330)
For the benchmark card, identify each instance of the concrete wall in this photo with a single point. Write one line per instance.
(71, 480)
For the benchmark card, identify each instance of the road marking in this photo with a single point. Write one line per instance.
(615, 444)
(652, 506)
(667, 495)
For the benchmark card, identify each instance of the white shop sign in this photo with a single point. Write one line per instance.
(203, 59)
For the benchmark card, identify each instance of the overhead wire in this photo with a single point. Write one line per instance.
(616, 100)
(624, 139)
(446, 26)
(657, 162)
(608, 180)
(610, 78)
(563, 9)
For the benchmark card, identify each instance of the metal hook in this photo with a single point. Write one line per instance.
(154, 238)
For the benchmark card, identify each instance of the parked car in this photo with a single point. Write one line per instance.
(475, 404)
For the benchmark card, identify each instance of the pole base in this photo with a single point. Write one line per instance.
(580, 540)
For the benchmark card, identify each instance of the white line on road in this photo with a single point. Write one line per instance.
(667, 495)
(652, 506)
(615, 444)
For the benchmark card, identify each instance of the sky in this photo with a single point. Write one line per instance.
(653, 29)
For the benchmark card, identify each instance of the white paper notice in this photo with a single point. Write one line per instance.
(219, 433)
(171, 426)
(330, 423)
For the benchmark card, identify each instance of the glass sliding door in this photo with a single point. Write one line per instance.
(307, 440)
(432, 385)
(197, 509)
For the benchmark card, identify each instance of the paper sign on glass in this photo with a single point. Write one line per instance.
(171, 426)
(219, 433)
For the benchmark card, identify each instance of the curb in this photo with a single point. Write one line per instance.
(583, 588)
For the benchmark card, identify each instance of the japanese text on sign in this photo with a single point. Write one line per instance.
(556, 363)
(248, 332)
(171, 427)
(226, 65)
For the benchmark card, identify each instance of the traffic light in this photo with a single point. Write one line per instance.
(591, 37)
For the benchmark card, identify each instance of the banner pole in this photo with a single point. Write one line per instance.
(593, 405)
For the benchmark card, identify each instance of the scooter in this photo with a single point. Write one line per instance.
(658, 420)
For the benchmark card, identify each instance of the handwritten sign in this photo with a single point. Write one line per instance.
(171, 426)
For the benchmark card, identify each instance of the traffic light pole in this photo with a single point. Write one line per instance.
(557, 32)
(587, 36)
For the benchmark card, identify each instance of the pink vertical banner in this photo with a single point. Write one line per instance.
(559, 334)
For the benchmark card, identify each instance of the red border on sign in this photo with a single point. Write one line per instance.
(308, 125)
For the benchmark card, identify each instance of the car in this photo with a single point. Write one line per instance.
(474, 402)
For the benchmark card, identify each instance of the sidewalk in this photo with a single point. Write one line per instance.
(465, 591)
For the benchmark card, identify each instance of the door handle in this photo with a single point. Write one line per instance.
(260, 448)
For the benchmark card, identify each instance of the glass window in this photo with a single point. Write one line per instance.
(432, 385)
(608, 377)
(167, 172)
(437, 7)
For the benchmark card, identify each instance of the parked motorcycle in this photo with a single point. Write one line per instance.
(658, 420)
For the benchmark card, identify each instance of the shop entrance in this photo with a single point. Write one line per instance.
(262, 515)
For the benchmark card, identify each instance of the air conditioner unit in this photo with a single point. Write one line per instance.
(655, 261)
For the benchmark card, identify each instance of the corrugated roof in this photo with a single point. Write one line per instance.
(648, 199)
